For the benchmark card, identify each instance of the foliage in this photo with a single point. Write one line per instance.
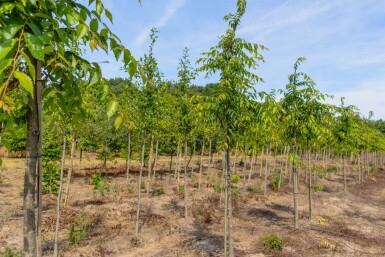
(235, 179)
(11, 253)
(217, 187)
(51, 177)
(158, 191)
(272, 241)
(318, 188)
(276, 182)
(255, 188)
(79, 230)
(96, 178)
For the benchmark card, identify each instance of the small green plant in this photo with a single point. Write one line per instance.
(142, 185)
(79, 230)
(319, 171)
(255, 188)
(100, 185)
(51, 177)
(276, 182)
(235, 179)
(11, 253)
(236, 191)
(158, 191)
(356, 213)
(272, 241)
(130, 190)
(333, 170)
(95, 179)
(217, 187)
(373, 168)
(318, 188)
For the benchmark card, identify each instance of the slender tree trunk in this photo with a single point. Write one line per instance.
(69, 178)
(140, 185)
(228, 207)
(185, 180)
(150, 158)
(310, 185)
(295, 181)
(245, 162)
(201, 164)
(32, 155)
(253, 158)
(265, 175)
(156, 159)
(63, 157)
(177, 161)
(39, 92)
(80, 158)
(344, 171)
(235, 158)
(128, 155)
(261, 167)
(209, 162)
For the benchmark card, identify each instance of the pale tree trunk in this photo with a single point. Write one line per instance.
(310, 185)
(209, 162)
(265, 175)
(228, 237)
(185, 180)
(156, 158)
(251, 164)
(70, 170)
(140, 184)
(80, 158)
(150, 159)
(344, 171)
(128, 155)
(235, 158)
(261, 167)
(295, 181)
(245, 162)
(33, 153)
(63, 157)
(177, 161)
(201, 163)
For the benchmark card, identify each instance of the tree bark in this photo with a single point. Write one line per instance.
(201, 163)
(55, 251)
(128, 155)
(70, 170)
(139, 185)
(310, 185)
(185, 181)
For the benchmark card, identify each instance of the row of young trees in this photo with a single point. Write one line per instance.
(145, 116)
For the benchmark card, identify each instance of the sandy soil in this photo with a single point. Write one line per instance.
(343, 224)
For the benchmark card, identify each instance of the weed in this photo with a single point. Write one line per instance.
(272, 241)
(95, 179)
(11, 253)
(332, 170)
(142, 185)
(236, 191)
(100, 185)
(217, 187)
(130, 190)
(356, 213)
(255, 188)
(51, 177)
(158, 191)
(318, 188)
(373, 168)
(235, 179)
(79, 230)
(276, 182)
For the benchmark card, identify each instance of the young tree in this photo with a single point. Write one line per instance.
(235, 60)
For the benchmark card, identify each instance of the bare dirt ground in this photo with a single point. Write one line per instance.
(343, 224)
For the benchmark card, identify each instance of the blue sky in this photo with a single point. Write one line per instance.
(343, 41)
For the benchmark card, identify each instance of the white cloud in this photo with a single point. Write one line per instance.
(169, 12)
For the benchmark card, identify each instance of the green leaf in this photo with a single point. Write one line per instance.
(10, 30)
(5, 63)
(94, 78)
(117, 52)
(25, 81)
(94, 25)
(5, 7)
(35, 46)
(99, 7)
(112, 107)
(118, 122)
(108, 15)
(81, 30)
(31, 67)
(132, 67)
(6, 47)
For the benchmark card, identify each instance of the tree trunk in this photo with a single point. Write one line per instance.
(201, 163)
(69, 177)
(185, 180)
(63, 157)
(155, 159)
(140, 185)
(128, 155)
(228, 237)
(310, 185)
(344, 171)
(295, 181)
(209, 162)
(265, 175)
(33, 137)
